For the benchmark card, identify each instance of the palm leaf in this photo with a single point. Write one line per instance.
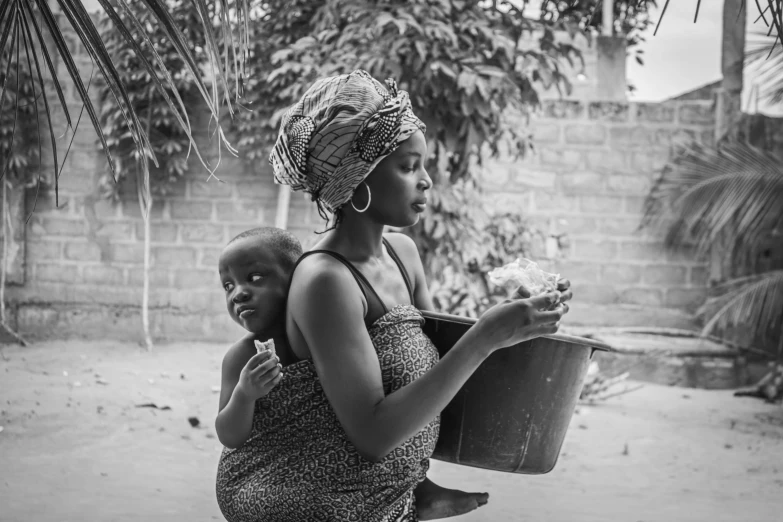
(734, 193)
(179, 111)
(58, 89)
(6, 22)
(28, 11)
(35, 97)
(765, 56)
(754, 303)
(18, 20)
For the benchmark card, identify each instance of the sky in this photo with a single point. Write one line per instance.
(683, 55)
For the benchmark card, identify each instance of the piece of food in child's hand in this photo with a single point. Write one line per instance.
(526, 273)
(266, 346)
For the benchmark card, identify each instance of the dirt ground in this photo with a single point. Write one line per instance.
(76, 446)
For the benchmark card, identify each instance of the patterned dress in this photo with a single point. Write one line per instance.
(298, 464)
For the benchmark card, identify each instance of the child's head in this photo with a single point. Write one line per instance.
(254, 269)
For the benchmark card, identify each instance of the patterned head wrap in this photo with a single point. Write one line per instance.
(338, 133)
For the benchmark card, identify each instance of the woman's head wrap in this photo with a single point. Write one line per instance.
(338, 133)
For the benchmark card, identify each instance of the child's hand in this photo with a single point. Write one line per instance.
(261, 373)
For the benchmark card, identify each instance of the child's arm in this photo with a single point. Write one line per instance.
(245, 378)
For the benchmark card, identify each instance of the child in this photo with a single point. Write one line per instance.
(254, 270)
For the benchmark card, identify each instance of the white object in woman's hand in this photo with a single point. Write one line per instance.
(563, 287)
(524, 272)
(520, 319)
(268, 345)
(260, 375)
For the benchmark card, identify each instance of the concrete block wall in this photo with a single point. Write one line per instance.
(84, 265)
(592, 167)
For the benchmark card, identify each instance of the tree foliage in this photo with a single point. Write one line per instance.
(39, 26)
(169, 142)
(630, 18)
(19, 144)
(460, 61)
(469, 77)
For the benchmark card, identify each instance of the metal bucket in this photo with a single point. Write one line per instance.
(513, 413)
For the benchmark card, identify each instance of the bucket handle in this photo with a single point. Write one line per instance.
(598, 346)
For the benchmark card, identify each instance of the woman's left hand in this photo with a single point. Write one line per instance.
(564, 287)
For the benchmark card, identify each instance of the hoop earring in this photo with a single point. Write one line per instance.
(369, 199)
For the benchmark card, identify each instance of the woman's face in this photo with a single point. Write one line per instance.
(399, 185)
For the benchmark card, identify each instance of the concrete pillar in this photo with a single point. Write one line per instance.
(733, 49)
(729, 102)
(610, 69)
(607, 22)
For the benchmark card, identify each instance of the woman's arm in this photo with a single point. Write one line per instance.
(328, 310)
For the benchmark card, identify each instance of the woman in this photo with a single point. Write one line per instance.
(348, 433)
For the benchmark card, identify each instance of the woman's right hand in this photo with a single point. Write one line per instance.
(259, 376)
(520, 318)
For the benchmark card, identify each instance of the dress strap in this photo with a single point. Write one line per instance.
(362, 281)
(402, 268)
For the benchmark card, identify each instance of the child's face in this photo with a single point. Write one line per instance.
(255, 283)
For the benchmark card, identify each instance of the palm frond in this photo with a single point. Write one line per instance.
(734, 193)
(18, 24)
(764, 58)
(754, 303)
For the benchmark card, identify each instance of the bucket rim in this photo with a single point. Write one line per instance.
(470, 321)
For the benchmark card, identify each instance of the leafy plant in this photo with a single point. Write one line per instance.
(730, 198)
(36, 27)
(458, 272)
(19, 151)
(631, 18)
(459, 60)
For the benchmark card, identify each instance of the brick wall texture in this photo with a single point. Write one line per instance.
(592, 167)
(593, 164)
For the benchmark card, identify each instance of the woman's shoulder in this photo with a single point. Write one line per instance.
(321, 270)
(322, 285)
(319, 261)
(406, 249)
